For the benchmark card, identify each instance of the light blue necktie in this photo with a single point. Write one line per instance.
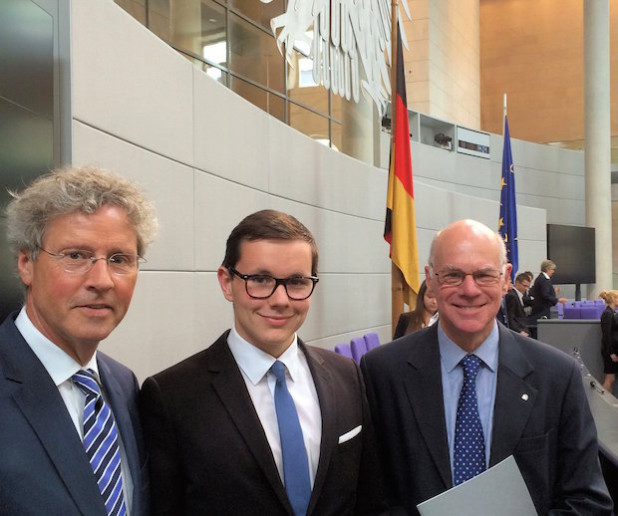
(469, 452)
(101, 443)
(295, 463)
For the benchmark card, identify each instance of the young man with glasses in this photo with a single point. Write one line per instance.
(460, 396)
(260, 423)
(70, 441)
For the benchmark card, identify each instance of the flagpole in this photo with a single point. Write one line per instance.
(397, 281)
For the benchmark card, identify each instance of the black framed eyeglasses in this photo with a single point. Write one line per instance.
(455, 277)
(262, 286)
(78, 261)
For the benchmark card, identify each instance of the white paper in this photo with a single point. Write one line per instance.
(499, 490)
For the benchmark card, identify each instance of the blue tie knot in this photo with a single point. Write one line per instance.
(86, 381)
(471, 365)
(278, 369)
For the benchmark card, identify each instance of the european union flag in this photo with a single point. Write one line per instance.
(507, 225)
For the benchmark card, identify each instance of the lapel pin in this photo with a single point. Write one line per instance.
(524, 397)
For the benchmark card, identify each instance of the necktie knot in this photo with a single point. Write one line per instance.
(471, 365)
(278, 369)
(86, 381)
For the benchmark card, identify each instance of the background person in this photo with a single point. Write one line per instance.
(515, 301)
(543, 293)
(78, 234)
(451, 400)
(609, 337)
(421, 316)
(213, 421)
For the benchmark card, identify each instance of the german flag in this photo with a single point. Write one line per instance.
(400, 224)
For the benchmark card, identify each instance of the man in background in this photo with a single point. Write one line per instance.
(543, 293)
(515, 300)
(70, 441)
(460, 396)
(260, 423)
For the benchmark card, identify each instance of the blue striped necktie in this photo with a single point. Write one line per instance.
(295, 463)
(469, 452)
(101, 443)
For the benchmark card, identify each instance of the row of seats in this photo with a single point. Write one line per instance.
(358, 346)
(587, 309)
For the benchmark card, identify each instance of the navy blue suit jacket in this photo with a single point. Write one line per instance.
(44, 469)
(544, 296)
(541, 416)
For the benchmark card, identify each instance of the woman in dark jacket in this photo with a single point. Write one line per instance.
(426, 306)
(609, 337)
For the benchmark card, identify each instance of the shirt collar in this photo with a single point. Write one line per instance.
(546, 275)
(60, 366)
(255, 363)
(451, 354)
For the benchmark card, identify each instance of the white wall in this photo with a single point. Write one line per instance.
(208, 158)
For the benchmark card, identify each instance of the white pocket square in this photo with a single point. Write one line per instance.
(352, 433)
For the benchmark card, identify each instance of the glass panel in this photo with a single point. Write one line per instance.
(269, 102)
(309, 123)
(336, 141)
(254, 54)
(136, 8)
(301, 86)
(159, 18)
(216, 73)
(259, 12)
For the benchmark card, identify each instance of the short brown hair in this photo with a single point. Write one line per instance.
(268, 225)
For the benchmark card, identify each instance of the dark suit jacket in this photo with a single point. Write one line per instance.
(541, 416)
(43, 466)
(515, 311)
(544, 296)
(209, 453)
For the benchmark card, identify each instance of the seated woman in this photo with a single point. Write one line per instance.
(423, 315)
(609, 337)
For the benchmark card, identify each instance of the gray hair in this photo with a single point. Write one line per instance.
(546, 265)
(67, 190)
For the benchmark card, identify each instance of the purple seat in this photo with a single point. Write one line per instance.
(588, 312)
(572, 312)
(560, 309)
(371, 340)
(358, 347)
(599, 302)
(343, 349)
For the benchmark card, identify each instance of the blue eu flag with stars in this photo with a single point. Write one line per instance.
(507, 224)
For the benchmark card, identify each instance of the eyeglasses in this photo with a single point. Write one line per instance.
(262, 286)
(78, 261)
(454, 278)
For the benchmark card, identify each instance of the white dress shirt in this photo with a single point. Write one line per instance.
(61, 367)
(255, 365)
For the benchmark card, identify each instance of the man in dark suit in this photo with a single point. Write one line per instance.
(213, 423)
(78, 235)
(520, 397)
(543, 293)
(515, 299)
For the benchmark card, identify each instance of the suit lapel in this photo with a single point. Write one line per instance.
(230, 387)
(515, 398)
(38, 398)
(423, 386)
(328, 410)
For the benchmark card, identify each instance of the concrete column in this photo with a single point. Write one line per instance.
(598, 137)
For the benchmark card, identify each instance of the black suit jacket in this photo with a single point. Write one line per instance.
(544, 296)
(515, 311)
(209, 453)
(541, 416)
(44, 469)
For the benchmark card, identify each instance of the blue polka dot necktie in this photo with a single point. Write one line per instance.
(469, 451)
(101, 443)
(295, 463)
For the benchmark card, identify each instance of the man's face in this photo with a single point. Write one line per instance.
(522, 285)
(550, 271)
(467, 311)
(78, 310)
(269, 324)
